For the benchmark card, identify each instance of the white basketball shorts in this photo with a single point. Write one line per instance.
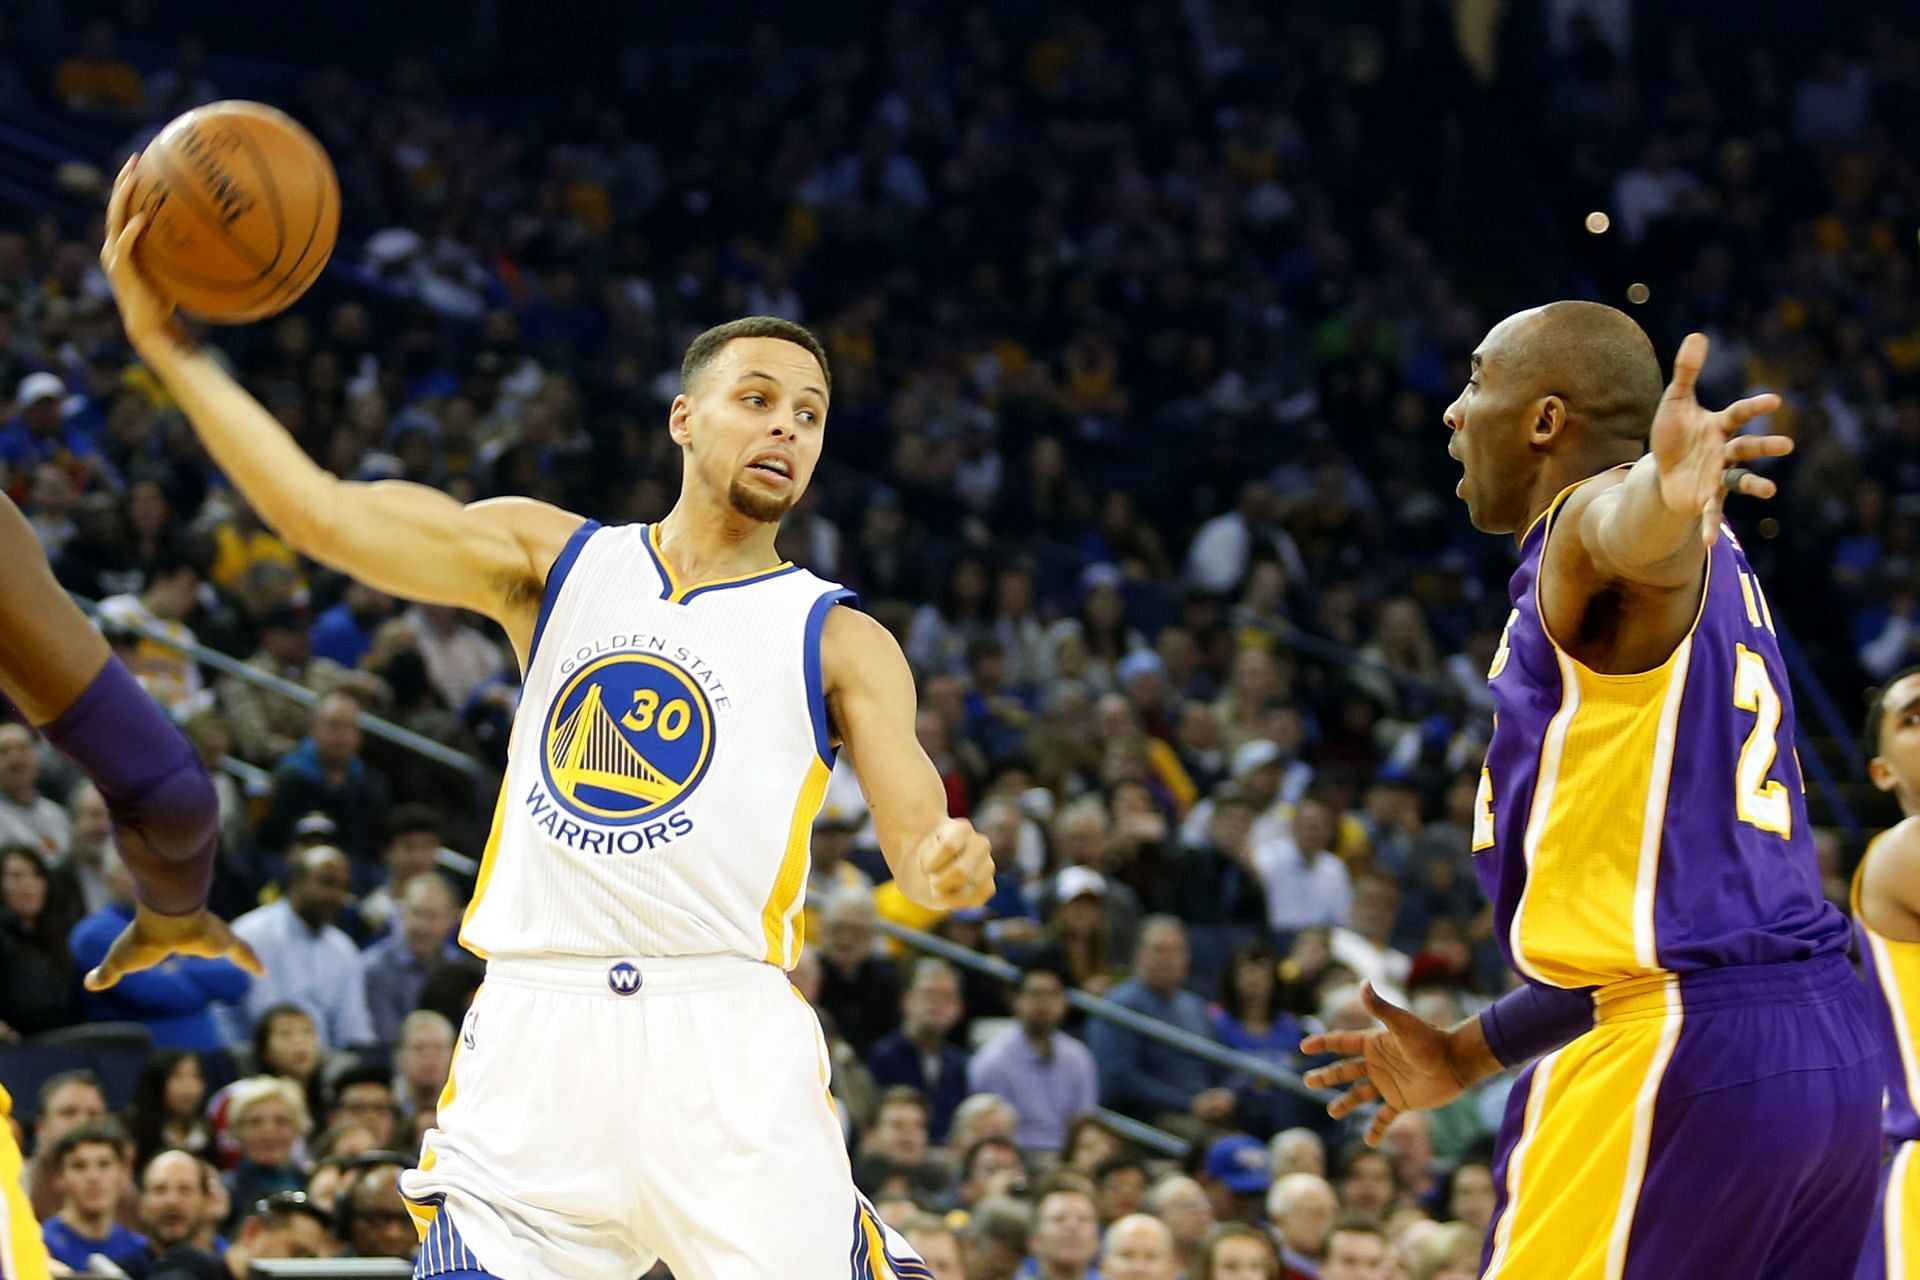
(604, 1114)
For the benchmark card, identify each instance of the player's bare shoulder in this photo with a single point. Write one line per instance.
(854, 646)
(1890, 881)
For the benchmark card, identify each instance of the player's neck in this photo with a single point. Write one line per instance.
(1556, 476)
(702, 544)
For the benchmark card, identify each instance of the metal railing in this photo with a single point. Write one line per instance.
(387, 730)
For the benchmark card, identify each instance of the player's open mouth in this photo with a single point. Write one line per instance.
(773, 467)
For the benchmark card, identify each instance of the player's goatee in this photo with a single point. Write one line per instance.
(757, 506)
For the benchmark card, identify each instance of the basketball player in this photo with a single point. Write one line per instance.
(637, 1078)
(56, 672)
(1886, 908)
(1707, 1102)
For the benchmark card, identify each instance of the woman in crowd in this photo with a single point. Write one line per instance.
(39, 989)
(168, 1108)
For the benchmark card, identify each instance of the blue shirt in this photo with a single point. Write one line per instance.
(1141, 1076)
(126, 1249)
(896, 1061)
(1047, 1094)
(23, 450)
(338, 636)
(174, 999)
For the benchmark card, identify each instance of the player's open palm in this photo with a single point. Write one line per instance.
(1403, 1064)
(958, 863)
(1693, 446)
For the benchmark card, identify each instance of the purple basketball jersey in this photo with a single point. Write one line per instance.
(1634, 825)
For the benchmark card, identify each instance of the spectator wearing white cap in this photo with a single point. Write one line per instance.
(38, 432)
(1083, 838)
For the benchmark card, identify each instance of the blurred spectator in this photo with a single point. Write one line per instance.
(326, 774)
(919, 1053)
(1367, 1180)
(269, 1118)
(92, 1162)
(39, 986)
(39, 433)
(27, 817)
(167, 1111)
(1066, 1232)
(997, 1236)
(989, 1167)
(1297, 1151)
(1143, 1077)
(857, 987)
(898, 1146)
(1047, 1075)
(1119, 1187)
(395, 968)
(154, 623)
(423, 1055)
(378, 1224)
(937, 1244)
(1249, 1018)
(1137, 1247)
(1357, 1249)
(284, 1225)
(363, 1097)
(1236, 1251)
(97, 80)
(1366, 947)
(310, 962)
(1471, 1196)
(173, 999)
(1306, 882)
(89, 833)
(69, 1100)
(459, 658)
(175, 1192)
(1182, 1204)
(344, 633)
(1234, 1176)
(1301, 1208)
(415, 836)
(266, 724)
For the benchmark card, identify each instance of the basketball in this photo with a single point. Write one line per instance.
(243, 208)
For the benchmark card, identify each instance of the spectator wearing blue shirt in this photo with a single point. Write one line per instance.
(344, 633)
(95, 1167)
(1046, 1074)
(175, 998)
(1249, 1018)
(39, 431)
(919, 1053)
(396, 966)
(1142, 1077)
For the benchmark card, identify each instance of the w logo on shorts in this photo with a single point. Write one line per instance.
(623, 979)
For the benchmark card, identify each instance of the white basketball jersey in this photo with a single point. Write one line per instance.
(668, 759)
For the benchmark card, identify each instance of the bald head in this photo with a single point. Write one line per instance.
(1594, 357)
(1138, 1247)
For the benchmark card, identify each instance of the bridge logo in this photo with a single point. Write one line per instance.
(627, 739)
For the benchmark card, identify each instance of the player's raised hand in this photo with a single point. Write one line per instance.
(153, 938)
(146, 313)
(1403, 1064)
(1693, 446)
(958, 864)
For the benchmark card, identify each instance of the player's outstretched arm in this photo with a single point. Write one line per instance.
(941, 863)
(406, 539)
(1653, 529)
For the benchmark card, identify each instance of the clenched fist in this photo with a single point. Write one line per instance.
(958, 865)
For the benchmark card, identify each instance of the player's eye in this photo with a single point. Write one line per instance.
(757, 400)
(809, 417)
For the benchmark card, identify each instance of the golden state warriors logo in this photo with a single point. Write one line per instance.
(627, 739)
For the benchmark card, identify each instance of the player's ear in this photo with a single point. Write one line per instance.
(680, 420)
(1549, 420)
(1880, 773)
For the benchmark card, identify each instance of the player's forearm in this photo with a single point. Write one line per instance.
(1644, 540)
(1519, 1027)
(292, 493)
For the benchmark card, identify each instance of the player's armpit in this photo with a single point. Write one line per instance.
(870, 697)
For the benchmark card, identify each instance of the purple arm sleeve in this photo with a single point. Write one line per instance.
(166, 815)
(1535, 1019)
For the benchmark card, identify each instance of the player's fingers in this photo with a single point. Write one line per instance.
(949, 842)
(1710, 520)
(1344, 1043)
(1747, 448)
(1755, 486)
(1345, 1071)
(1352, 1100)
(1686, 367)
(1385, 1010)
(1382, 1120)
(1745, 411)
(116, 964)
(122, 193)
